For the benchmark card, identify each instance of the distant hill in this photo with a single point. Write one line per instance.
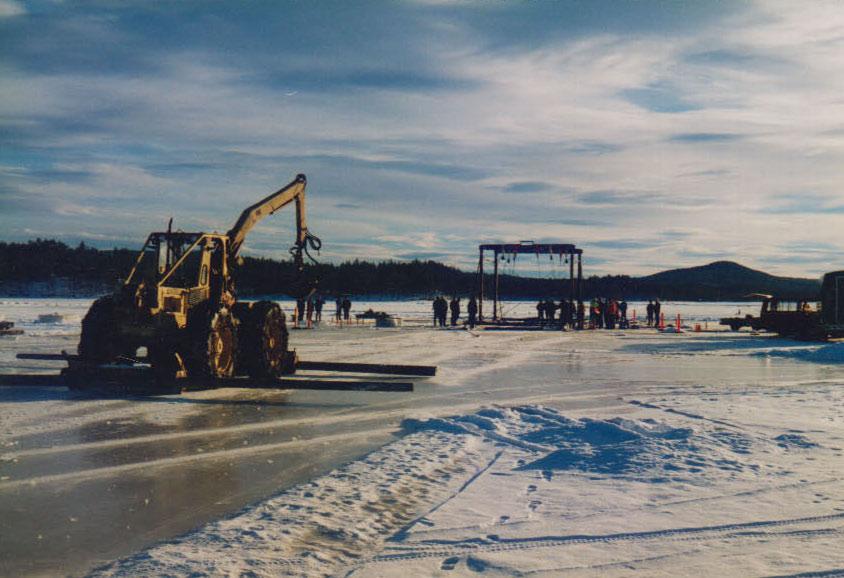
(725, 280)
(51, 268)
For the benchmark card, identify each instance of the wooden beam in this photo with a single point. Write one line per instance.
(143, 382)
(384, 368)
(495, 290)
(481, 287)
(31, 380)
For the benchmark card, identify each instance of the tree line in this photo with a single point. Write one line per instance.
(98, 270)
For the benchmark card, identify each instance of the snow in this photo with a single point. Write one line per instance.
(596, 453)
(527, 489)
(831, 353)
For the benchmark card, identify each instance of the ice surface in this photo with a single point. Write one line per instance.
(589, 453)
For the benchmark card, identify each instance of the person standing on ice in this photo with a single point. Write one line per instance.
(435, 305)
(309, 308)
(347, 307)
(550, 310)
(540, 311)
(440, 310)
(318, 303)
(650, 311)
(455, 310)
(472, 310)
(338, 312)
(565, 313)
(615, 313)
(300, 310)
(622, 309)
(657, 309)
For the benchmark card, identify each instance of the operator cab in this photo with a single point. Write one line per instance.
(175, 271)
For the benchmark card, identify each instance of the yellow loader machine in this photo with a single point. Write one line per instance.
(179, 301)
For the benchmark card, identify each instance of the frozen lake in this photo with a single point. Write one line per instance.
(84, 481)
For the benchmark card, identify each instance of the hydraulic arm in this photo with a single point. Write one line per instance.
(251, 216)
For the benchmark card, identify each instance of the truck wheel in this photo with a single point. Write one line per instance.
(264, 340)
(213, 347)
(99, 342)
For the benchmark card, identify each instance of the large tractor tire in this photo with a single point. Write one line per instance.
(162, 352)
(100, 340)
(213, 348)
(264, 341)
(165, 364)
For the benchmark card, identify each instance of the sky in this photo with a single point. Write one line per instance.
(652, 134)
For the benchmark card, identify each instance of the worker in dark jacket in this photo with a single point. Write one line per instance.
(300, 310)
(472, 310)
(440, 311)
(550, 310)
(455, 310)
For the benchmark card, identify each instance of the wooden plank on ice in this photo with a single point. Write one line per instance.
(130, 380)
(316, 384)
(383, 368)
(31, 380)
(47, 356)
(389, 369)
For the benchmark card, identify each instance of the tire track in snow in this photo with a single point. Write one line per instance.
(402, 534)
(649, 506)
(684, 414)
(749, 530)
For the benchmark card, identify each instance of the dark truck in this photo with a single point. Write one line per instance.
(817, 318)
(790, 317)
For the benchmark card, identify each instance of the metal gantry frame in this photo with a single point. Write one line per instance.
(567, 250)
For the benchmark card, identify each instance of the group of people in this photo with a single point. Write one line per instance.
(608, 313)
(571, 312)
(654, 310)
(309, 309)
(342, 308)
(442, 307)
(602, 312)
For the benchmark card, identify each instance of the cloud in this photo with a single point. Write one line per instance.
(527, 187)
(625, 244)
(10, 8)
(423, 256)
(704, 137)
(658, 98)
(430, 127)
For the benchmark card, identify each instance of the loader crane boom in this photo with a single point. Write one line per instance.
(254, 214)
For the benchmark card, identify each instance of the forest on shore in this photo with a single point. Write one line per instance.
(46, 267)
